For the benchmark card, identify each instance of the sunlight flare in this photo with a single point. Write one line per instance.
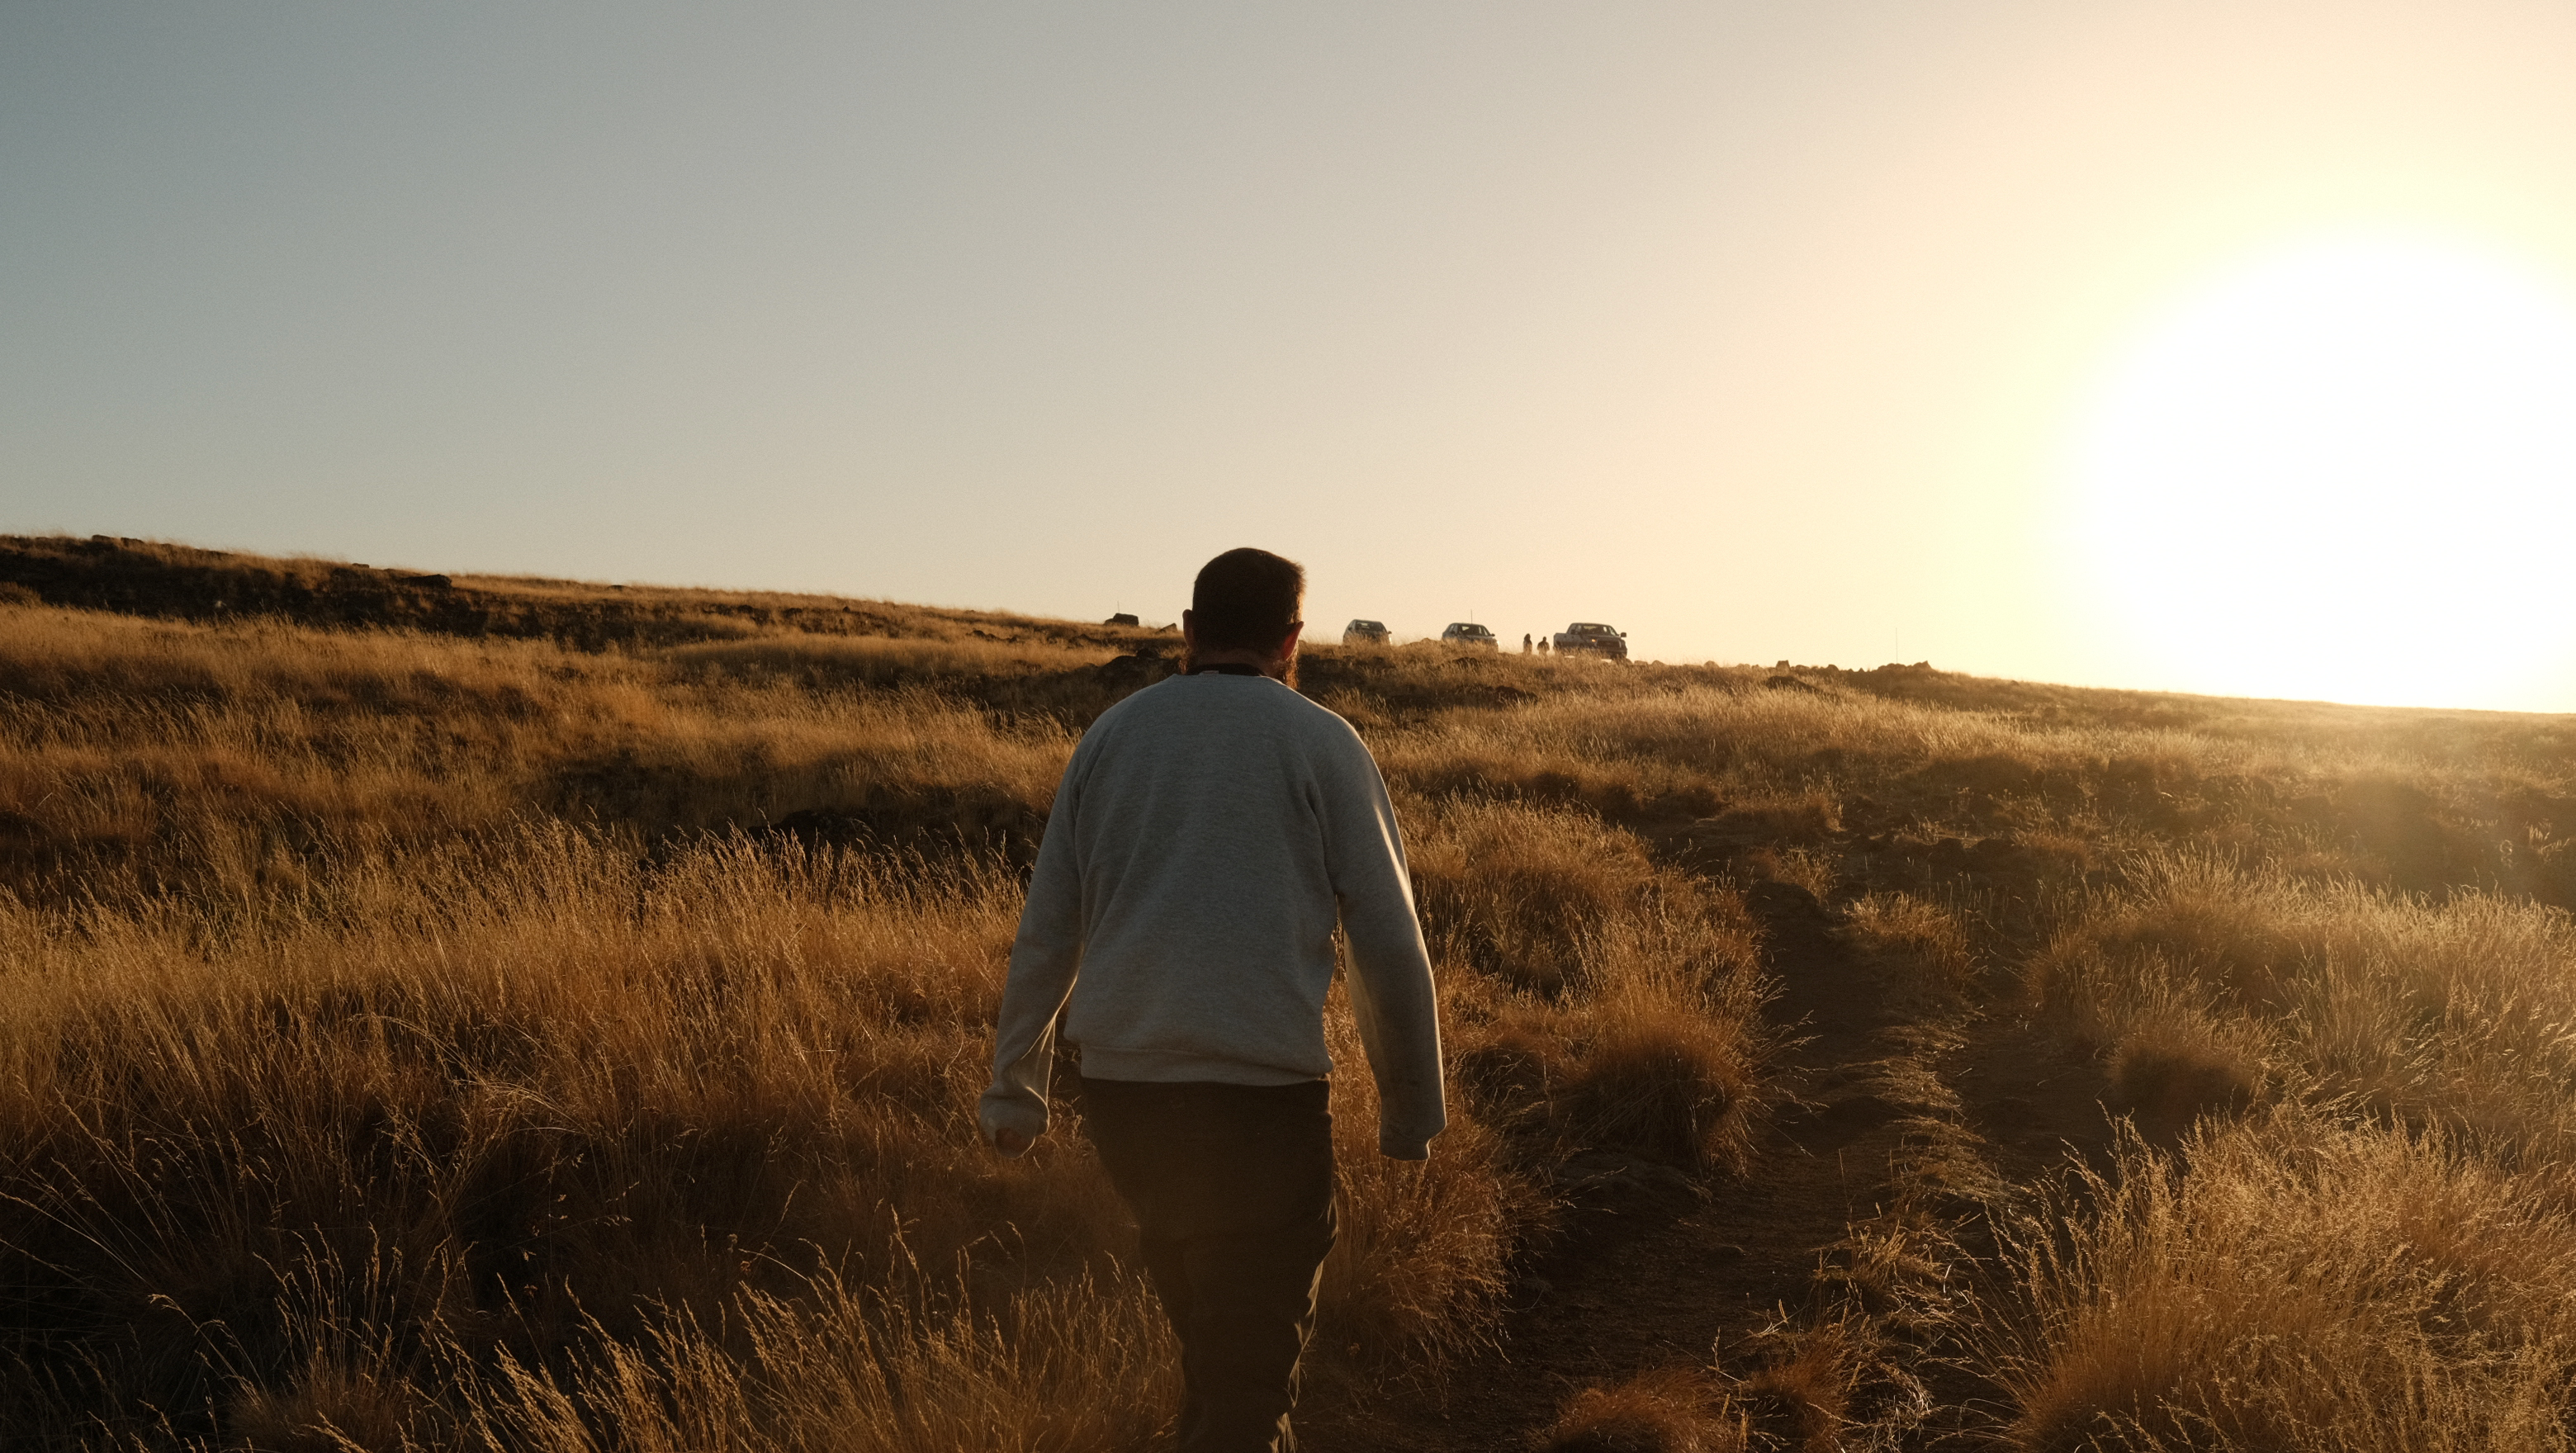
(2345, 470)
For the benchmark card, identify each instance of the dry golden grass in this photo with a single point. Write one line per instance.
(2297, 1282)
(2237, 905)
(402, 1044)
(527, 1094)
(2454, 1013)
(1922, 940)
(514, 1088)
(2474, 798)
(1081, 1364)
(415, 1029)
(1802, 1397)
(1673, 1410)
(140, 755)
(2365, 1238)
(1592, 992)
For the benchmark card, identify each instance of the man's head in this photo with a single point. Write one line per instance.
(1244, 607)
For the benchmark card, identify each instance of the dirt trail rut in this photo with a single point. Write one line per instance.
(1654, 1272)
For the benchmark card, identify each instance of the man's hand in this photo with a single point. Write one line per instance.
(1011, 1143)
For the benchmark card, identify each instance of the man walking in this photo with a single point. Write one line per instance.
(1209, 834)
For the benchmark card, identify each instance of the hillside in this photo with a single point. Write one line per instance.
(458, 1012)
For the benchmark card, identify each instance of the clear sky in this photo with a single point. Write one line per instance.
(2219, 346)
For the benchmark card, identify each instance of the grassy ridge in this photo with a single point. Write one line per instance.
(563, 1033)
(436, 1039)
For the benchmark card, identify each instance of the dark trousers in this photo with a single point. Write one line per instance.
(1232, 1188)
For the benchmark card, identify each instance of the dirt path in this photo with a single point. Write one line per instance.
(1655, 1273)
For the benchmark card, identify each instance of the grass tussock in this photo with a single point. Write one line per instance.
(1668, 1064)
(1922, 941)
(1602, 999)
(1082, 1364)
(2298, 1283)
(1425, 1248)
(2205, 981)
(1673, 1410)
(1525, 892)
(1804, 1393)
(2344, 1220)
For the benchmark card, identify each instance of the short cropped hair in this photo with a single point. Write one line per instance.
(1245, 600)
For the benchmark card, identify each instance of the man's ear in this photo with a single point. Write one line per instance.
(1190, 629)
(1288, 642)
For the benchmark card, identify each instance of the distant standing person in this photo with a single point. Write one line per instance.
(1208, 835)
(1542, 645)
(1525, 643)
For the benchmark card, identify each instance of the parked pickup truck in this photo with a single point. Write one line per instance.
(1594, 637)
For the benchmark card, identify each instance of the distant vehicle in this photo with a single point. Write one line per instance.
(1468, 633)
(1366, 633)
(1594, 637)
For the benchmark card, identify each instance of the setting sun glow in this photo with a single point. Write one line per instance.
(2345, 471)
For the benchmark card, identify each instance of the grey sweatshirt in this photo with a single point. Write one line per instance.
(1208, 834)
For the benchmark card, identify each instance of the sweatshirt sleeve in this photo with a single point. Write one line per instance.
(1045, 957)
(1392, 995)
